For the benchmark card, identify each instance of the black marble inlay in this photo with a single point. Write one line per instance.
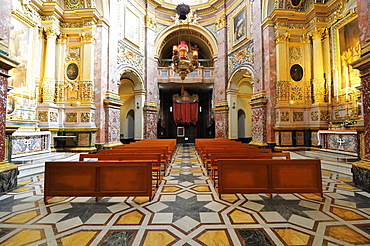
(6, 205)
(3, 232)
(84, 211)
(254, 238)
(186, 207)
(361, 177)
(360, 200)
(183, 178)
(8, 180)
(286, 208)
(118, 238)
(365, 228)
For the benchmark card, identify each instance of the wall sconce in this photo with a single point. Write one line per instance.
(137, 105)
(234, 105)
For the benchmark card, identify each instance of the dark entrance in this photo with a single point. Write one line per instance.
(186, 133)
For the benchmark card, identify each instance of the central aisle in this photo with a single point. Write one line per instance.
(186, 210)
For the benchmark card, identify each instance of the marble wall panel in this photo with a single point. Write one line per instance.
(221, 124)
(259, 125)
(286, 138)
(221, 67)
(314, 139)
(365, 80)
(3, 100)
(113, 125)
(299, 138)
(150, 124)
(5, 13)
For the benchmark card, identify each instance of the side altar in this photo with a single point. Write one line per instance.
(339, 141)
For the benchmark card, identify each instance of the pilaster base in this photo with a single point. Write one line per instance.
(361, 174)
(8, 177)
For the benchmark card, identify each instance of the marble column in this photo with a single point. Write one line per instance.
(61, 51)
(221, 108)
(8, 171)
(112, 107)
(361, 169)
(318, 69)
(152, 95)
(307, 64)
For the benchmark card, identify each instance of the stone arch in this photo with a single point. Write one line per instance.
(239, 94)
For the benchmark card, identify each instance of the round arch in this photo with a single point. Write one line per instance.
(245, 71)
(125, 71)
(197, 32)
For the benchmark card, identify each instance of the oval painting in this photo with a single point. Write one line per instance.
(296, 72)
(72, 71)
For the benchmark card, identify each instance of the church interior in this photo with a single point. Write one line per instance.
(278, 76)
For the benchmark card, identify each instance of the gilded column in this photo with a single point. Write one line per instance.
(48, 81)
(61, 47)
(282, 70)
(318, 69)
(307, 61)
(86, 87)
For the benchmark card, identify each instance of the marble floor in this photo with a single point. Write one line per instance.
(186, 210)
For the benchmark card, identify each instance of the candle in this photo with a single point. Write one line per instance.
(175, 48)
(195, 54)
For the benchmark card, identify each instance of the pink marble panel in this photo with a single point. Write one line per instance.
(151, 70)
(366, 105)
(5, 13)
(221, 124)
(259, 48)
(220, 65)
(258, 125)
(150, 124)
(113, 125)
(3, 103)
(364, 20)
(269, 80)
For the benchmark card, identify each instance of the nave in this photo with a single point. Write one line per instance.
(186, 210)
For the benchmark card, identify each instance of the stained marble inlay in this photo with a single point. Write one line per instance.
(254, 237)
(122, 238)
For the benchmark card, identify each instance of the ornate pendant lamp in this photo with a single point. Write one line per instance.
(184, 60)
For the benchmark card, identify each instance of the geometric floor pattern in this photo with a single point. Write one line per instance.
(186, 210)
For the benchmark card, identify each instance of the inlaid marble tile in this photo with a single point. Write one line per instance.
(162, 218)
(68, 224)
(344, 233)
(186, 223)
(238, 216)
(293, 237)
(98, 219)
(214, 237)
(170, 189)
(131, 218)
(158, 238)
(346, 214)
(208, 218)
(22, 218)
(202, 189)
(254, 237)
(25, 237)
(80, 238)
(229, 197)
(186, 194)
(122, 238)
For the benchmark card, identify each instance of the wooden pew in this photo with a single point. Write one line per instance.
(153, 157)
(269, 176)
(251, 155)
(98, 178)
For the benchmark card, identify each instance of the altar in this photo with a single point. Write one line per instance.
(339, 140)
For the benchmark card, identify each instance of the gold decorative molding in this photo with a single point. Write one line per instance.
(221, 22)
(50, 32)
(281, 37)
(62, 38)
(318, 33)
(88, 37)
(151, 22)
(306, 38)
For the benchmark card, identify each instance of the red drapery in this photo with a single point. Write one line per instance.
(185, 113)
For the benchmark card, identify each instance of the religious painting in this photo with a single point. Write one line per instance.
(10, 105)
(180, 131)
(295, 3)
(296, 72)
(132, 27)
(239, 27)
(19, 41)
(286, 138)
(350, 51)
(72, 71)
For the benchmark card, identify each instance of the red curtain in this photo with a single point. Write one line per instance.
(185, 113)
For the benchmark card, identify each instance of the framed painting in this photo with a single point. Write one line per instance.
(239, 27)
(132, 27)
(72, 71)
(296, 72)
(180, 131)
(10, 105)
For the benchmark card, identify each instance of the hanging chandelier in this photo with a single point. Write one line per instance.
(184, 58)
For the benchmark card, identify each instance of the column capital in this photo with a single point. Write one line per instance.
(318, 32)
(50, 32)
(221, 21)
(306, 38)
(281, 37)
(88, 37)
(62, 38)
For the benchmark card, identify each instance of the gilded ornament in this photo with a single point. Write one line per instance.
(88, 37)
(297, 116)
(281, 37)
(71, 117)
(295, 54)
(221, 22)
(43, 116)
(151, 22)
(314, 115)
(53, 116)
(50, 32)
(85, 117)
(284, 116)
